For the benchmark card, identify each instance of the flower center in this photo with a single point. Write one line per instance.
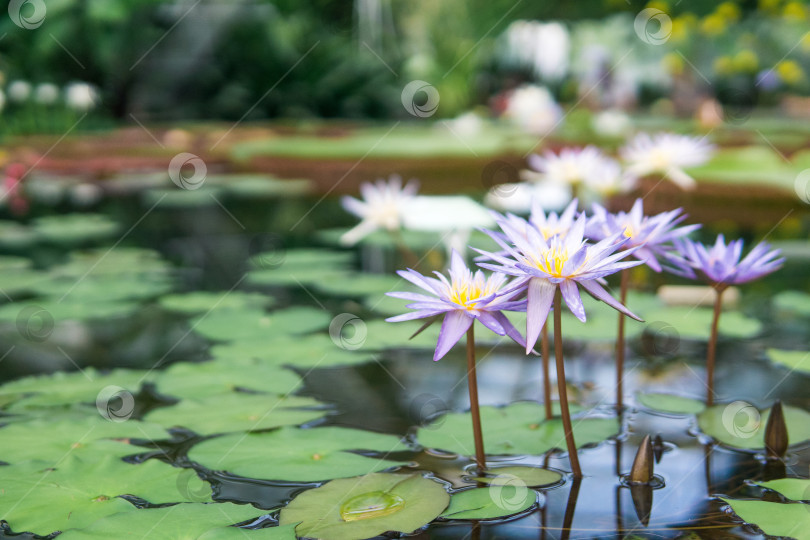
(629, 232)
(461, 293)
(553, 261)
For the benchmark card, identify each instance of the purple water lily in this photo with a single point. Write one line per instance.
(465, 297)
(542, 265)
(721, 264)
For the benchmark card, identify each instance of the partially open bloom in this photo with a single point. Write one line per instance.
(667, 154)
(381, 208)
(541, 265)
(573, 166)
(652, 235)
(465, 297)
(721, 264)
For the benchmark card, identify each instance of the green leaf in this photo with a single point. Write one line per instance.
(695, 323)
(775, 519)
(494, 502)
(236, 411)
(61, 388)
(740, 425)
(386, 335)
(103, 289)
(286, 276)
(193, 380)
(75, 493)
(71, 309)
(519, 428)
(315, 350)
(793, 303)
(181, 199)
(254, 323)
(528, 476)
(294, 454)
(793, 360)
(186, 521)
(50, 441)
(670, 403)
(73, 229)
(113, 262)
(361, 284)
(254, 186)
(366, 507)
(196, 302)
(795, 489)
(14, 236)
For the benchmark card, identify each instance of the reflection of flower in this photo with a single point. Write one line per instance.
(381, 208)
(543, 264)
(533, 109)
(667, 154)
(721, 263)
(465, 297)
(652, 235)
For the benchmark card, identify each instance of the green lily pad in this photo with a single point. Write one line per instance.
(14, 236)
(103, 289)
(12, 262)
(194, 303)
(316, 350)
(16, 282)
(236, 411)
(116, 262)
(73, 229)
(386, 335)
(63, 388)
(294, 454)
(303, 258)
(494, 502)
(294, 276)
(185, 521)
(527, 476)
(366, 507)
(254, 323)
(793, 360)
(740, 425)
(358, 285)
(795, 489)
(255, 186)
(176, 198)
(75, 493)
(519, 428)
(50, 441)
(695, 323)
(775, 519)
(670, 403)
(793, 302)
(72, 309)
(193, 380)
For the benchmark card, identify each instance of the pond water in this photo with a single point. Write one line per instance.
(363, 376)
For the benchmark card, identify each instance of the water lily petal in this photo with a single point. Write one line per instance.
(455, 324)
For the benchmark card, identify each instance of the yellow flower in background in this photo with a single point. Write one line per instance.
(680, 29)
(729, 11)
(673, 63)
(789, 71)
(713, 25)
(795, 11)
(723, 65)
(658, 4)
(770, 6)
(745, 61)
(805, 43)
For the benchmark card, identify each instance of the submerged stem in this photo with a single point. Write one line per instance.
(544, 352)
(710, 354)
(562, 388)
(620, 343)
(472, 383)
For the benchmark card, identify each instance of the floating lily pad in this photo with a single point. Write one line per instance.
(255, 186)
(527, 476)
(15, 282)
(494, 502)
(63, 388)
(740, 425)
(795, 489)
(695, 323)
(295, 454)
(71, 309)
(385, 335)
(254, 323)
(12, 262)
(519, 428)
(793, 360)
(793, 302)
(116, 262)
(366, 507)
(670, 403)
(197, 302)
(103, 289)
(170, 198)
(775, 519)
(316, 350)
(358, 285)
(15, 236)
(236, 411)
(74, 229)
(75, 493)
(303, 258)
(185, 521)
(50, 441)
(294, 276)
(194, 380)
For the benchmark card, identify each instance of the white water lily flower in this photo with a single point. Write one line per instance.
(534, 110)
(573, 166)
(453, 217)
(667, 154)
(382, 207)
(517, 198)
(81, 96)
(19, 91)
(46, 93)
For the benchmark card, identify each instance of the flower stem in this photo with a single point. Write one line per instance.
(472, 382)
(411, 260)
(710, 355)
(562, 388)
(620, 343)
(544, 352)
